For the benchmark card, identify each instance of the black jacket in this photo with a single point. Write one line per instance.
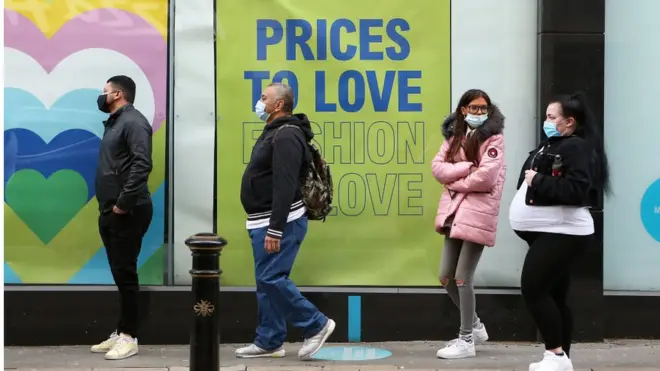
(124, 161)
(572, 181)
(271, 184)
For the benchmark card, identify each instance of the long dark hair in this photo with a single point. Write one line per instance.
(475, 141)
(577, 107)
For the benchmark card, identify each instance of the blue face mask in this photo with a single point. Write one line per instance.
(550, 129)
(475, 121)
(260, 110)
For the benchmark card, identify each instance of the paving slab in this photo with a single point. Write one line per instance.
(285, 368)
(361, 368)
(318, 368)
(622, 355)
(222, 368)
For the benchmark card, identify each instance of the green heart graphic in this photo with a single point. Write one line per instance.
(46, 205)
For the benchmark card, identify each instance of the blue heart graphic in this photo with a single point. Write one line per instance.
(74, 110)
(73, 149)
(64, 137)
(10, 275)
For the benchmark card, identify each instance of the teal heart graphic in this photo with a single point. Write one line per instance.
(46, 205)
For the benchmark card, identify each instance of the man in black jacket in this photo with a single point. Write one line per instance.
(124, 203)
(277, 224)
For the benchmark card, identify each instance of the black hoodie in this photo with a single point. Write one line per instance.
(270, 190)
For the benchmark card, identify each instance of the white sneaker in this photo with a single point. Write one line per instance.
(457, 348)
(253, 351)
(479, 334)
(126, 346)
(106, 345)
(552, 362)
(314, 344)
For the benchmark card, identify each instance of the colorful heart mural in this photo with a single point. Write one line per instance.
(57, 59)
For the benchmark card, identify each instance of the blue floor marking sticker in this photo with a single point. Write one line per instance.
(350, 353)
(354, 319)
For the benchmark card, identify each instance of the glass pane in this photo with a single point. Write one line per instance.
(631, 231)
(57, 60)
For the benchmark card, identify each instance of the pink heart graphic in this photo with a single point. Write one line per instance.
(146, 47)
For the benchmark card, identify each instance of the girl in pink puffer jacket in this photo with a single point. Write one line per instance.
(470, 165)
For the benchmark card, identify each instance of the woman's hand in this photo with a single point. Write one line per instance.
(529, 176)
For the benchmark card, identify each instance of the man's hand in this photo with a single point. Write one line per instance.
(117, 210)
(529, 175)
(272, 245)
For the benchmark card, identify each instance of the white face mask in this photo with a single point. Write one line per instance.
(475, 121)
(260, 110)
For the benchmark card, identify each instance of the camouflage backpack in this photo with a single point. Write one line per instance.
(317, 187)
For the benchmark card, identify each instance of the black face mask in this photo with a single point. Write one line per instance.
(102, 103)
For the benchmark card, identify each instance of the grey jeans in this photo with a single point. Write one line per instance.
(457, 267)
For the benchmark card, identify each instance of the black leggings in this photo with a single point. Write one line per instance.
(545, 281)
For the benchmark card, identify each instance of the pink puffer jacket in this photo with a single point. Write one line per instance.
(473, 199)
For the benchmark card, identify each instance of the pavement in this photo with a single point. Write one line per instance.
(621, 355)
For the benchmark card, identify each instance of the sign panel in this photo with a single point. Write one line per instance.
(58, 56)
(374, 77)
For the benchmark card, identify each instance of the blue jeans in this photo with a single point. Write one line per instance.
(278, 297)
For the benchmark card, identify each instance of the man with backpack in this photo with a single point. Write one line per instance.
(285, 183)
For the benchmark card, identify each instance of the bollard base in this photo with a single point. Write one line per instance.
(205, 273)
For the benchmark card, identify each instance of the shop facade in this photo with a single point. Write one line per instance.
(377, 86)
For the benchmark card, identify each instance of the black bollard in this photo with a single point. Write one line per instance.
(205, 272)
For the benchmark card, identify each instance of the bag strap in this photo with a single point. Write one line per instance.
(285, 126)
(277, 131)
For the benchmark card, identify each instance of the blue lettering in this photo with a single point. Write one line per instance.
(381, 98)
(291, 80)
(351, 91)
(257, 78)
(366, 39)
(335, 40)
(321, 104)
(344, 91)
(263, 40)
(321, 40)
(405, 90)
(398, 38)
(293, 39)
(299, 33)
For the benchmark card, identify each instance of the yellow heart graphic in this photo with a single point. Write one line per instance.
(50, 15)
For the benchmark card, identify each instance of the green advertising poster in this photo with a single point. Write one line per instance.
(374, 77)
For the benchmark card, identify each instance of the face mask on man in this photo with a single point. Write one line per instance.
(260, 110)
(475, 120)
(102, 102)
(550, 129)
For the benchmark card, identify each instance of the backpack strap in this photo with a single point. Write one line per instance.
(277, 131)
(306, 144)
